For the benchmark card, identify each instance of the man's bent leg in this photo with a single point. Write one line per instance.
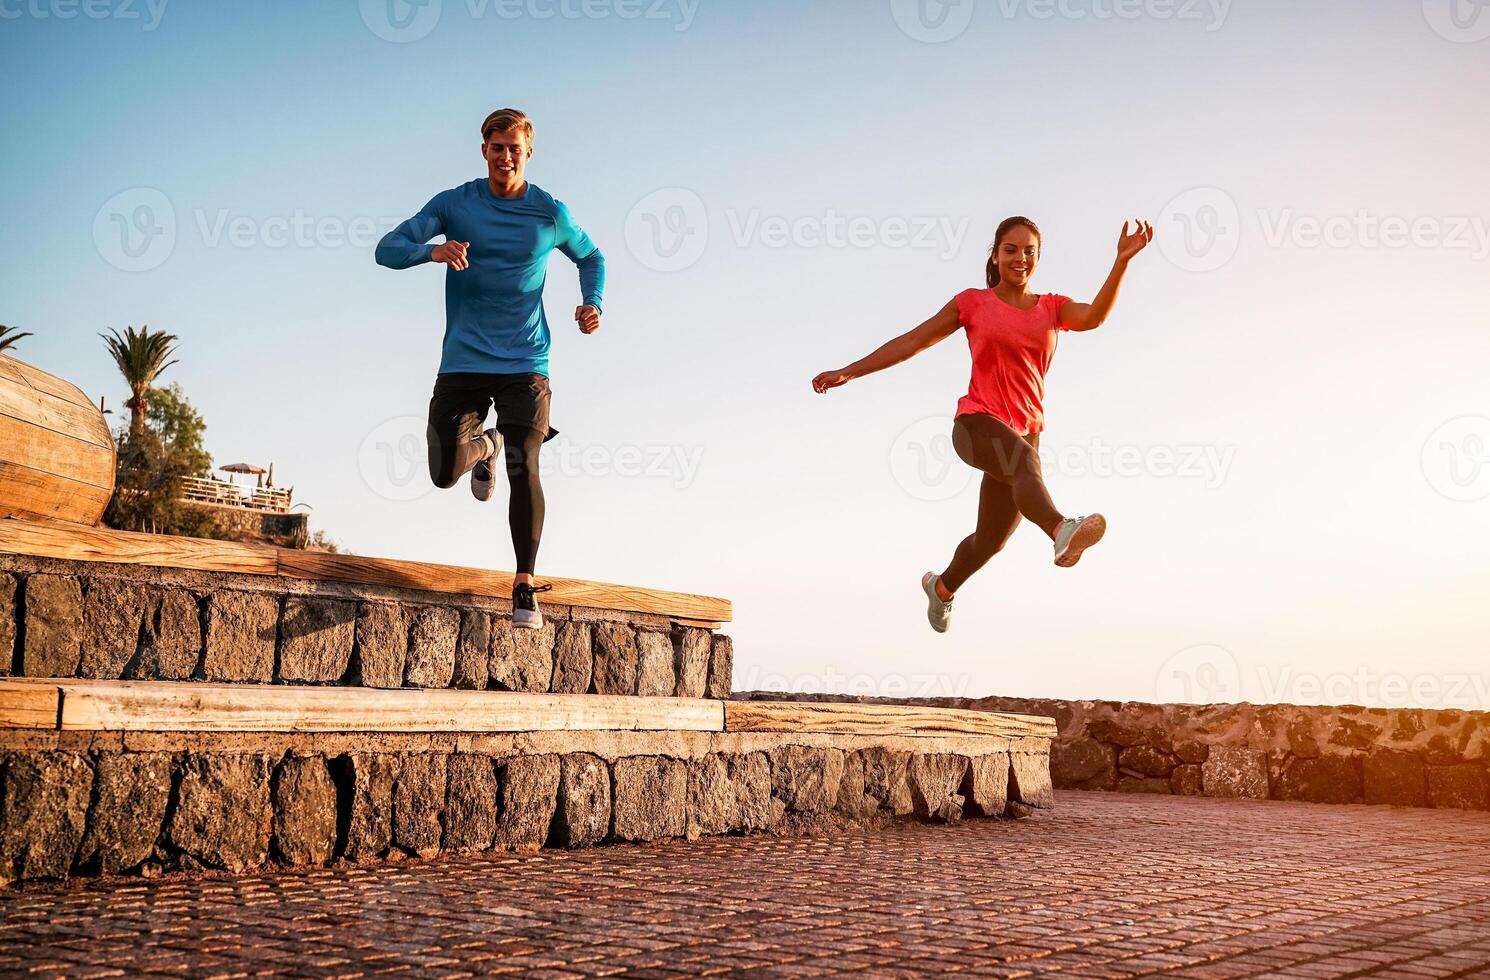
(456, 412)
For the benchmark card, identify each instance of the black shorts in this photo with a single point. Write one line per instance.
(458, 408)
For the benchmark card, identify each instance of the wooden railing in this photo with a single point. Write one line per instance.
(224, 494)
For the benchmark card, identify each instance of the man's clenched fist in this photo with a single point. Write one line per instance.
(588, 319)
(452, 254)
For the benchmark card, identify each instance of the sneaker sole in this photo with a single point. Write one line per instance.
(927, 587)
(1088, 534)
(535, 623)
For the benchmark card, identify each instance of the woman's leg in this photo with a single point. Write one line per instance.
(987, 444)
(997, 519)
(521, 445)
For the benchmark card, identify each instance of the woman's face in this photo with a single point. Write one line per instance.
(1018, 254)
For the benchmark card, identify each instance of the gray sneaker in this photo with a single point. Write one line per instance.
(525, 612)
(483, 479)
(938, 612)
(1075, 535)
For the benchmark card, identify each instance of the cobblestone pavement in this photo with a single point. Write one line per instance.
(1109, 885)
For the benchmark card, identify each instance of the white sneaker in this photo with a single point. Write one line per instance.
(525, 612)
(483, 479)
(1075, 535)
(938, 612)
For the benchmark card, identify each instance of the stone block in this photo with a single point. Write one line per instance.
(432, 642)
(471, 803)
(316, 637)
(583, 812)
(1327, 779)
(721, 667)
(172, 641)
(712, 807)
(1144, 760)
(129, 810)
(615, 658)
(113, 620)
(874, 779)
(986, 786)
(241, 628)
(1187, 780)
(1144, 784)
(370, 826)
(473, 650)
(806, 779)
(751, 775)
(1029, 780)
(382, 646)
(1395, 778)
(691, 652)
(43, 813)
(1083, 763)
(304, 811)
(7, 622)
(574, 659)
(655, 672)
(53, 609)
(649, 798)
(935, 779)
(529, 792)
(521, 659)
(1235, 772)
(1190, 751)
(1461, 787)
(223, 815)
(419, 803)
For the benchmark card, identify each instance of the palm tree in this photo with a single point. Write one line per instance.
(9, 336)
(142, 358)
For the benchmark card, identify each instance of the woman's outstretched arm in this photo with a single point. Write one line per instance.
(1090, 316)
(902, 348)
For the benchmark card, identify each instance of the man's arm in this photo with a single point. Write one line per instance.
(405, 246)
(575, 244)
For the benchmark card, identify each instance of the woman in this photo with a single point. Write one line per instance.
(1012, 334)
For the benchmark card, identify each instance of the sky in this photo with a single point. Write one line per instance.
(1286, 420)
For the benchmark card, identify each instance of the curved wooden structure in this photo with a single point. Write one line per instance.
(56, 453)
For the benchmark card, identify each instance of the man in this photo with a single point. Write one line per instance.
(498, 232)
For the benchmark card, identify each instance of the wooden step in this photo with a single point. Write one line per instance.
(159, 706)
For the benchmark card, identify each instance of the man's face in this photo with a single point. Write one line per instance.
(507, 153)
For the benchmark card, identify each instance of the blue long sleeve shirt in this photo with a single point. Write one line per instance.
(494, 319)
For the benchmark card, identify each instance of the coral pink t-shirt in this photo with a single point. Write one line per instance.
(1011, 349)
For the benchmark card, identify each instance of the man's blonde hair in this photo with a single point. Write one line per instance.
(505, 119)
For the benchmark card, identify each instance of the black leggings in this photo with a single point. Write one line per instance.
(1012, 488)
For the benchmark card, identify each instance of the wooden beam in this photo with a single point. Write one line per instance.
(197, 707)
(804, 717)
(34, 494)
(28, 705)
(56, 540)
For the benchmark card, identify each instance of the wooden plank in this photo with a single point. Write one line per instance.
(29, 705)
(878, 719)
(484, 582)
(83, 422)
(46, 540)
(51, 384)
(30, 493)
(44, 449)
(699, 623)
(196, 707)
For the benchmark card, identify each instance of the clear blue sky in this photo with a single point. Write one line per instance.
(1294, 386)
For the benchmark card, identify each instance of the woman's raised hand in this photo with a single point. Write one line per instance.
(830, 379)
(1131, 245)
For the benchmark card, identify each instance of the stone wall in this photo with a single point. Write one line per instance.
(99, 620)
(247, 524)
(1401, 757)
(106, 803)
